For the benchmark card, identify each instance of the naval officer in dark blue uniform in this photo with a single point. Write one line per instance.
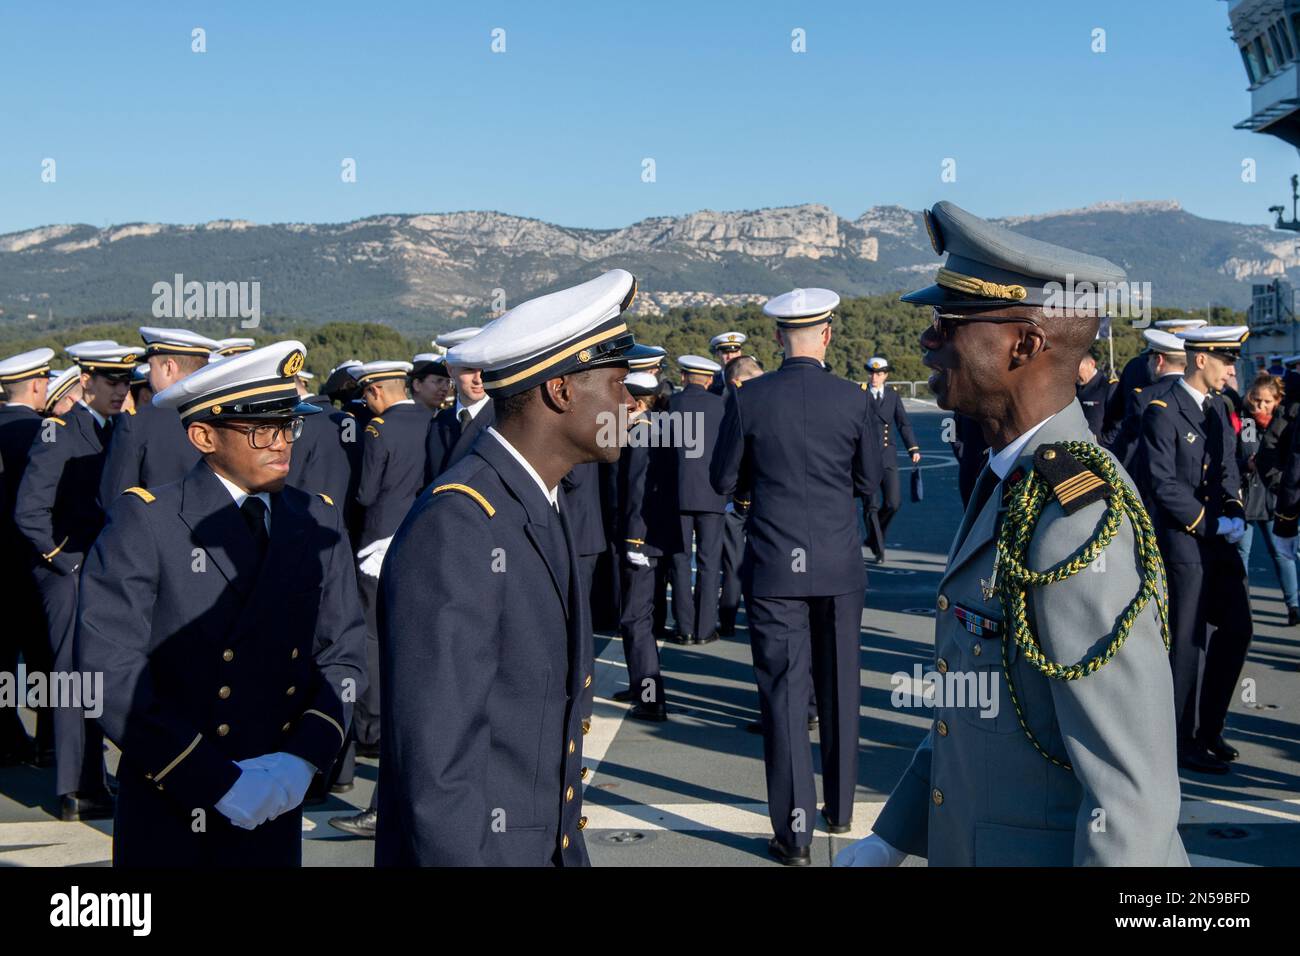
(57, 511)
(222, 611)
(695, 415)
(804, 442)
(648, 529)
(1167, 361)
(485, 662)
(24, 386)
(320, 460)
(1189, 459)
(454, 430)
(149, 445)
(895, 430)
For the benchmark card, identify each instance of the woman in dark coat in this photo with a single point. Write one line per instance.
(1260, 445)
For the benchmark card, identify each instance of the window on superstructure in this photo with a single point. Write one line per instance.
(1288, 51)
(1248, 60)
(1265, 57)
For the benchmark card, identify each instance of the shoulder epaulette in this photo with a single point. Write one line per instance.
(377, 420)
(56, 419)
(131, 410)
(373, 430)
(325, 498)
(140, 493)
(1112, 380)
(1159, 403)
(1136, 389)
(1075, 485)
(470, 492)
(738, 382)
(862, 385)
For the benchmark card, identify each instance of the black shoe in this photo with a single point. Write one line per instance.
(367, 750)
(1292, 616)
(656, 712)
(877, 557)
(361, 824)
(835, 827)
(707, 638)
(680, 638)
(1199, 760)
(1223, 750)
(788, 855)
(75, 808)
(624, 696)
(44, 757)
(727, 627)
(754, 727)
(342, 787)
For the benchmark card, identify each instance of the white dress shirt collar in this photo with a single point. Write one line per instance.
(240, 495)
(1199, 396)
(99, 419)
(472, 409)
(552, 494)
(1002, 461)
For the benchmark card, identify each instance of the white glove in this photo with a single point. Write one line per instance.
(372, 557)
(871, 851)
(1286, 547)
(252, 800)
(1224, 527)
(292, 776)
(1238, 531)
(730, 508)
(637, 558)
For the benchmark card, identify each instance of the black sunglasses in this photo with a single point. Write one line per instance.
(943, 323)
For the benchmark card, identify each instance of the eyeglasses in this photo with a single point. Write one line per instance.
(264, 436)
(943, 322)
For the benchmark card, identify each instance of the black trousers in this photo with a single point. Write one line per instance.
(793, 638)
(661, 596)
(891, 499)
(733, 552)
(78, 741)
(636, 628)
(26, 637)
(365, 722)
(1210, 634)
(697, 613)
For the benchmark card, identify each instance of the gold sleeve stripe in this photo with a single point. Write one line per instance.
(634, 541)
(157, 778)
(467, 490)
(325, 498)
(326, 717)
(1197, 521)
(140, 493)
(1159, 402)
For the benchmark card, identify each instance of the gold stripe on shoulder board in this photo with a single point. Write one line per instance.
(325, 498)
(467, 490)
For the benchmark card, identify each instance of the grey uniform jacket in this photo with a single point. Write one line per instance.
(977, 792)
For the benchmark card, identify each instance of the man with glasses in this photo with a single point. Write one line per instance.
(1064, 751)
(222, 611)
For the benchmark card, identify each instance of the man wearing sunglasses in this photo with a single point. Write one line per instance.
(1068, 755)
(222, 611)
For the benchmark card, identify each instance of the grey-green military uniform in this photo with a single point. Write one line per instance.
(978, 792)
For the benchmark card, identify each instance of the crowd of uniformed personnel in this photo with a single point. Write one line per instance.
(128, 470)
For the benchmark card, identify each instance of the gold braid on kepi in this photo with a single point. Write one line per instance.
(1027, 501)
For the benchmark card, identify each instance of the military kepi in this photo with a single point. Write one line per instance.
(110, 359)
(800, 307)
(573, 330)
(990, 266)
(1226, 341)
(25, 365)
(254, 384)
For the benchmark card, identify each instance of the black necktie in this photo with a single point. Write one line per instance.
(254, 511)
(103, 431)
(464, 418)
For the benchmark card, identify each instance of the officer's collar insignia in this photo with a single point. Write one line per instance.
(1074, 485)
(1010, 482)
(978, 624)
(1191, 437)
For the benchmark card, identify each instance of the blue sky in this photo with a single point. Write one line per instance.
(143, 129)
